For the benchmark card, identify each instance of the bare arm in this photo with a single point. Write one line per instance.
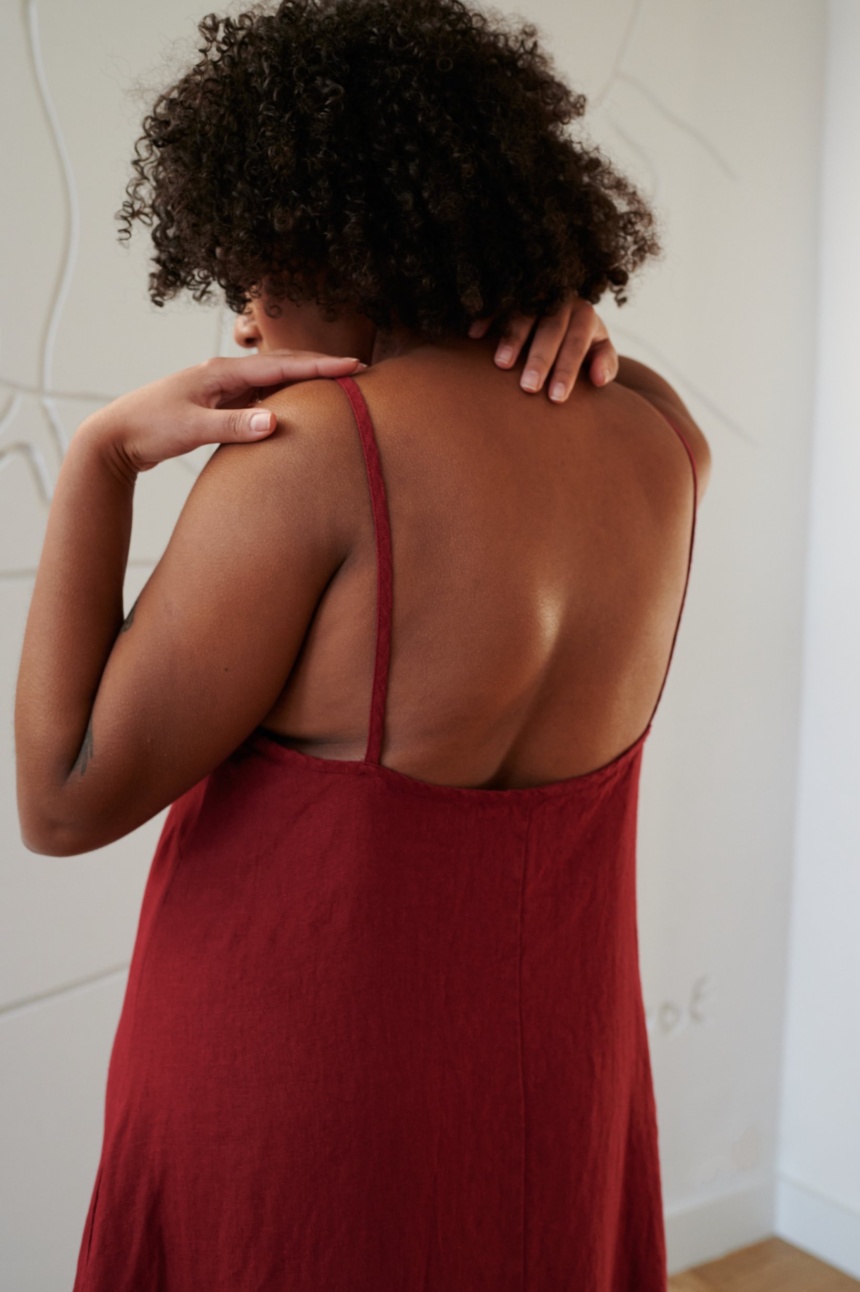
(75, 616)
(115, 719)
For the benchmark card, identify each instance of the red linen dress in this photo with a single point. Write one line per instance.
(381, 1035)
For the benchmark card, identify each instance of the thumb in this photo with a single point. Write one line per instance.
(236, 425)
(261, 421)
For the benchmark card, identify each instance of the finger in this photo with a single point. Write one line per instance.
(261, 422)
(512, 340)
(603, 363)
(585, 335)
(587, 343)
(228, 426)
(566, 368)
(224, 378)
(480, 327)
(291, 365)
(546, 344)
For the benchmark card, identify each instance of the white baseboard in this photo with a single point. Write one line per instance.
(708, 1229)
(818, 1224)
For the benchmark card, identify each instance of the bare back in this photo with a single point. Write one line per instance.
(540, 558)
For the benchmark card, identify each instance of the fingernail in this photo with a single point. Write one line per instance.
(557, 391)
(260, 422)
(360, 366)
(531, 380)
(504, 354)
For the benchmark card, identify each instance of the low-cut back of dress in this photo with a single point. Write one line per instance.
(383, 1035)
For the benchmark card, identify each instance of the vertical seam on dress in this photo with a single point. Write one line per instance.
(522, 1063)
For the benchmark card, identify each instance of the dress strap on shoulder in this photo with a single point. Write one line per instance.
(384, 567)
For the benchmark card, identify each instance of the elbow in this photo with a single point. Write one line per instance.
(49, 839)
(63, 819)
(43, 817)
(57, 815)
(50, 834)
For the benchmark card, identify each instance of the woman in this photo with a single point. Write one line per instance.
(394, 673)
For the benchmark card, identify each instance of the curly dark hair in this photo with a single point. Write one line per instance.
(408, 158)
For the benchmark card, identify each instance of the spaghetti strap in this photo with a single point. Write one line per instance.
(686, 445)
(384, 568)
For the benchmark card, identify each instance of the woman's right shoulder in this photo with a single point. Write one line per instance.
(661, 395)
(680, 418)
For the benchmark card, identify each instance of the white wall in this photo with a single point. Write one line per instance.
(819, 1160)
(715, 107)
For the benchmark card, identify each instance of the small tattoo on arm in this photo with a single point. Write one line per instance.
(86, 750)
(129, 619)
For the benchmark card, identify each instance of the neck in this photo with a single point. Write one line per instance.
(395, 341)
(301, 326)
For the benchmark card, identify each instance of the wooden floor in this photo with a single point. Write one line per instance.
(771, 1266)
